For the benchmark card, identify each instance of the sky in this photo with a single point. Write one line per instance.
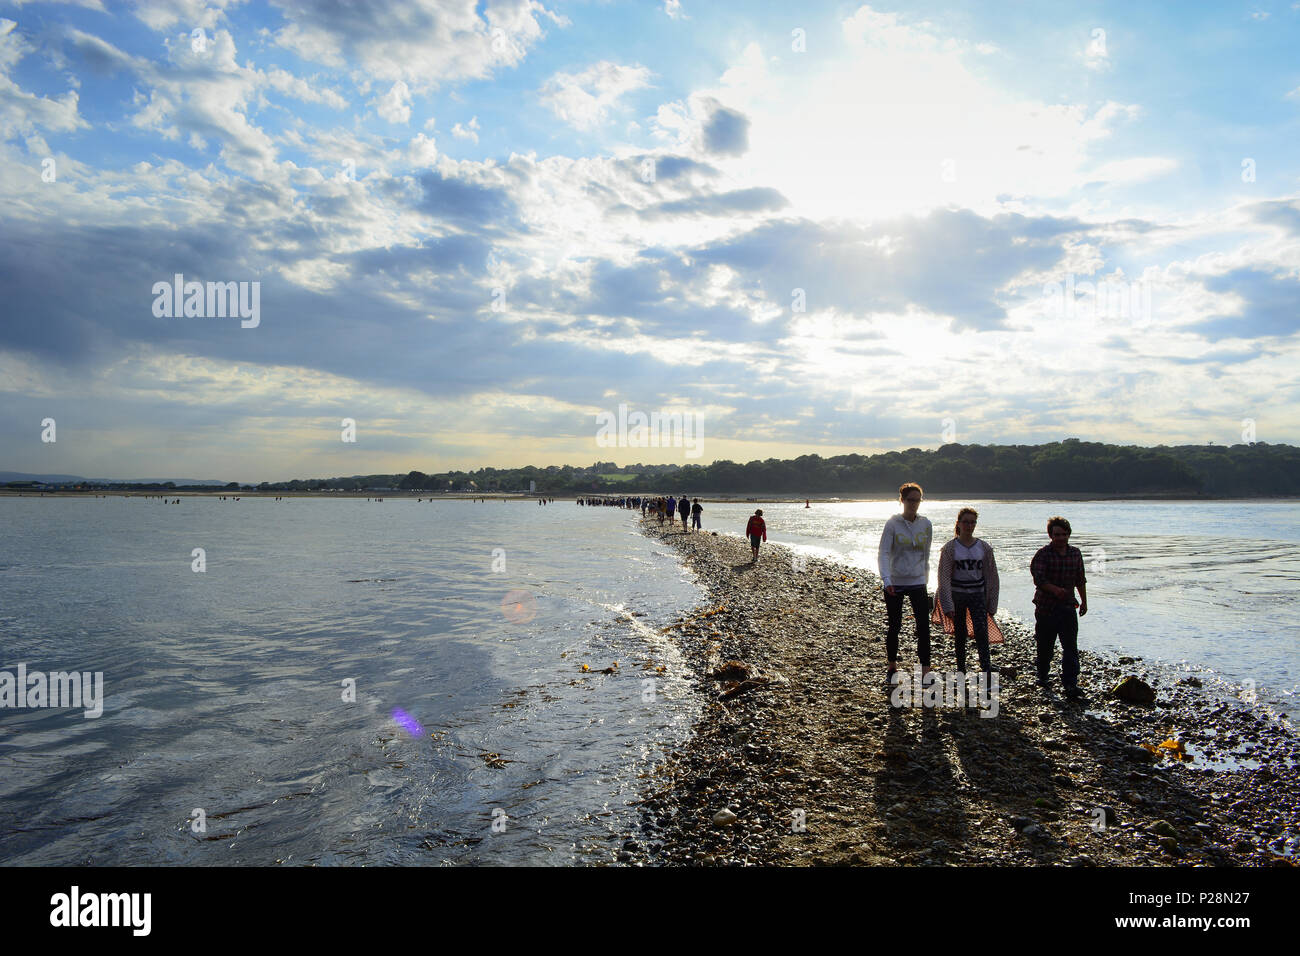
(468, 233)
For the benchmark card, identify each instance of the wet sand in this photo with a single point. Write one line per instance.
(818, 768)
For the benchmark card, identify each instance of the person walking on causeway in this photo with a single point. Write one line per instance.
(757, 531)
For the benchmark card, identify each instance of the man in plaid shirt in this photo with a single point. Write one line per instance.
(1058, 569)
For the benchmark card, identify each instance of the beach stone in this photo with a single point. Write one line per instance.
(724, 818)
(1133, 690)
(731, 670)
(1140, 754)
(1163, 828)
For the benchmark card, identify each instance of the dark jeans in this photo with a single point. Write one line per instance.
(920, 610)
(695, 521)
(979, 618)
(1060, 621)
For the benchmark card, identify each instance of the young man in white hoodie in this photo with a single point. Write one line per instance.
(904, 571)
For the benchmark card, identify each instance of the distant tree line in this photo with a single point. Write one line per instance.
(1070, 466)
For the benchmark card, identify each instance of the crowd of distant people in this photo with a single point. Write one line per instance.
(673, 508)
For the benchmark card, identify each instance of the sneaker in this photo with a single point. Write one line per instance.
(1073, 692)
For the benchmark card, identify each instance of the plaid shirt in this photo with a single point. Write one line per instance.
(1063, 570)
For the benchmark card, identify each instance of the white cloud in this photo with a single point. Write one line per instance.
(24, 112)
(898, 125)
(205, 92)
(395, 105)
(427, 42)
(584, 99)
(188, 14)
(868, 29)
(469, 131)
(674, 10)
(300, 89)
(423, 151)
(201, 93)
(88, 4)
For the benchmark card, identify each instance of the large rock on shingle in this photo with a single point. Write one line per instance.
(1132, 690)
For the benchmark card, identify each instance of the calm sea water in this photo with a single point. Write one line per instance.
(1210, 588)
(224, 689)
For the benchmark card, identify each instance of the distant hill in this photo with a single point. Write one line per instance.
(1070, 466)
(7, 476)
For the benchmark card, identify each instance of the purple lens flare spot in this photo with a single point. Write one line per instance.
(408, 723)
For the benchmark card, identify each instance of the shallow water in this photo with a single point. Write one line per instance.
(224, 689)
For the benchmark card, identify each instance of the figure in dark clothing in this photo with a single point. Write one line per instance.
(757, 531)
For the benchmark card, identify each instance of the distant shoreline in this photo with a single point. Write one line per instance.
(574, 496)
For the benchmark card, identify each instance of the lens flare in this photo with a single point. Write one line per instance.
(519, 606)
(408, 723)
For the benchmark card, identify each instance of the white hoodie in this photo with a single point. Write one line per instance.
(905, 552)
